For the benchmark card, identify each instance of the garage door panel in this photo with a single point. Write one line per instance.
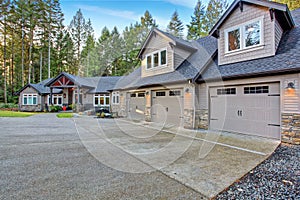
(136, 107)
(246, 112)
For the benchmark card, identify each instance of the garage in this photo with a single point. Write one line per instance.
(167, 107)
(136, 105)
(248, 109)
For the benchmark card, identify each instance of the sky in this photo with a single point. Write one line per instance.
(122, 13)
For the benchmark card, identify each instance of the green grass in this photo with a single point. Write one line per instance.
(15, 114)
(64, 115)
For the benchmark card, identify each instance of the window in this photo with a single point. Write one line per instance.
(141, 94)
(174, 93)
(149, 62)
(133, 95)
(116, 98)
(163, 57)
(160, 94)
(234, 42)
(156, 59)
(29, 99)
(256, 90)
(57, 99)
(101, 100)
(244, 36)
(226, 91)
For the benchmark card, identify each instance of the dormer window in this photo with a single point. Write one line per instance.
(244, 36)
(157, 59)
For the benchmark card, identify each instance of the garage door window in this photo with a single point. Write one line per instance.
(141, 94)
(133, 95)
(174, 93)
(256, 90)
(160, 94)
(226, 91)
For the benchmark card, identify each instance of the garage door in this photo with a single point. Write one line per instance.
(136, 104)
(249, 109)
(167, 107)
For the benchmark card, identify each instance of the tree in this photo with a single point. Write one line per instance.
(148, 21)
(77, 30)
(196, 28)
(291, 4)
(215, 9)
(175, 26)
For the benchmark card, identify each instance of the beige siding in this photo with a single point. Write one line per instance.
(278, 34)
(203, 96)
(237, 17)
(179, 56)
(157, 42)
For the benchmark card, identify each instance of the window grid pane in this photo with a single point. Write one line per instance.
(163, 57)
(234, 42)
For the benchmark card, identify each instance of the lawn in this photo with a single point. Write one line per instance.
(15, 114)
(64, 115)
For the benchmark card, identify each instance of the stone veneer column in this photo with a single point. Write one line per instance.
(188, 118)
(201, 119)
(290, 128)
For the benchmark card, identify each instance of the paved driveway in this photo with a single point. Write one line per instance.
(43, 157)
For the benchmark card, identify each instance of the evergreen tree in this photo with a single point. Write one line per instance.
(196, 28)
(147, 20)
(77, 30)
(215, 9)
(175, 26)
(291, 4)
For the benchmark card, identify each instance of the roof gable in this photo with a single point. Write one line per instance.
(281, 11)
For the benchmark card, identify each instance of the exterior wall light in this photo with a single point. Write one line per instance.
(290, 85)
(187, 90)
(147, 93)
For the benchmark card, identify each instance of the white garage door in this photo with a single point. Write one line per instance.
(249, 109)
(167, 106)
(136, 104)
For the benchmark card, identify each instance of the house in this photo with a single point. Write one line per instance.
(63, 90)
(244, 77)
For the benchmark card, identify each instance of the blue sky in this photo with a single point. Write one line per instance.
(121, 13)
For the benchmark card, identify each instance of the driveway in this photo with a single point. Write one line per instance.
(43, 157)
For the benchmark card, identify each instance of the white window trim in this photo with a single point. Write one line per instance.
(101, 95)
(32, 95)
(159, 59)
(56, 96)
(241, 27)
(116, 97)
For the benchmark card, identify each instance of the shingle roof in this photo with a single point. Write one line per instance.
(205, 46)
(104, 84)
(287, 59)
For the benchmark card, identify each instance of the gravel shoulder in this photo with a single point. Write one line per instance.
(278, 177)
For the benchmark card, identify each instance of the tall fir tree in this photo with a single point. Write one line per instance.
(215, 9)
(196, 28)
(175, 26)
(292, 4)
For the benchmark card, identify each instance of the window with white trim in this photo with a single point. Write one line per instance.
(156, 59)
(57, 99)
(247, 35)
(29, 99)
(115, 98)
(101, 100)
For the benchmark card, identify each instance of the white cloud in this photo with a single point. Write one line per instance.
(116, 13)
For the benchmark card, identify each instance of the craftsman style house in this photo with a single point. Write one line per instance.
(243, 77)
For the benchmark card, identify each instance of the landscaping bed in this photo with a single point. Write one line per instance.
(278, 177)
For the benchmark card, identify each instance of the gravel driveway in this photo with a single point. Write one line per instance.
(43, 158)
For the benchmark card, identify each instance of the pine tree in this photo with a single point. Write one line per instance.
(77, 30)
(147, 20)
(175, 26)
(90, 44)
(196, 28)
(291, 4)
(215, 9)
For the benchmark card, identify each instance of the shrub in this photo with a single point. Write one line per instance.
(8, 105)
(55, 108)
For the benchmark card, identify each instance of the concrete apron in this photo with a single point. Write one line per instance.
(207, 162)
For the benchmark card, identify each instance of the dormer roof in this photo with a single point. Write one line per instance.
(280, 11)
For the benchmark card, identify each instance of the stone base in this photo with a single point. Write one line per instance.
(290, 128)
(188, 118)
(201, 119)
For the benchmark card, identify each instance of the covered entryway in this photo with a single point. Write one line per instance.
(249, 109)
(167, 107)
(136, 105)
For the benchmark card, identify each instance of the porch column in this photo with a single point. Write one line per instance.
(50, 100)
(78, 95)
